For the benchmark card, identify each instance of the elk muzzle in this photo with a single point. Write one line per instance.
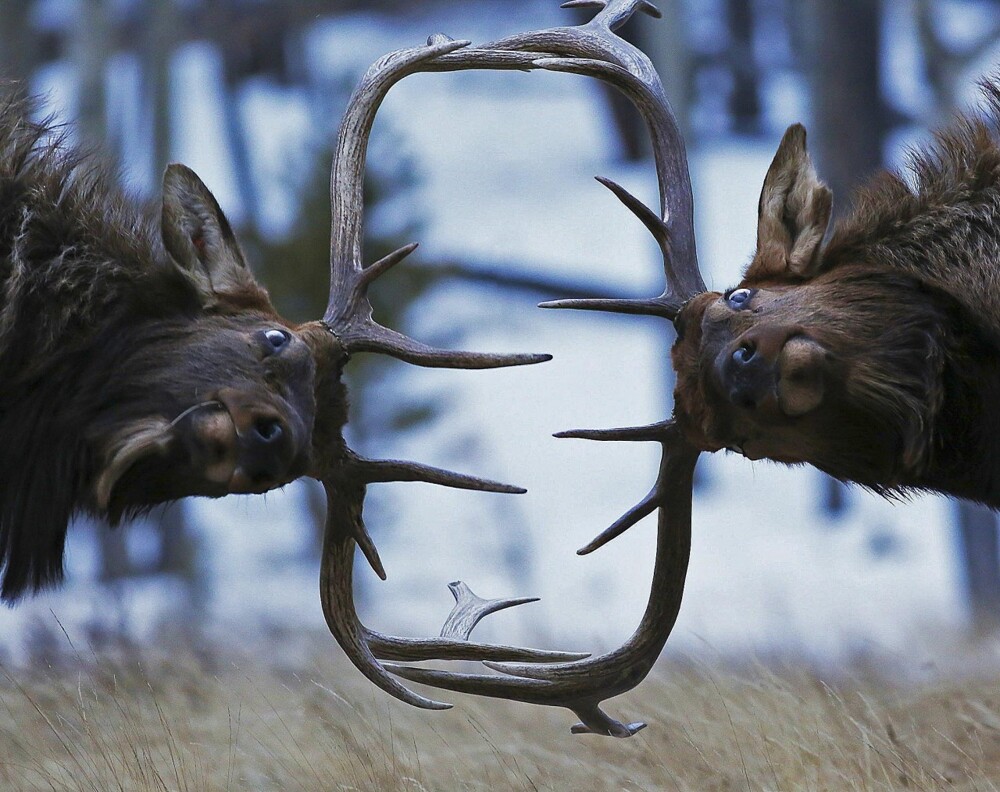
(772, 370)
(245, 442)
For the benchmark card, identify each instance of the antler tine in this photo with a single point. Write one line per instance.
(655, 432)
(617, 12)
(363, 334)
(373, 471)
(645, 307)
(642, 509)
(658, 432)
(344, 524)
(674, 231)
(582, 685)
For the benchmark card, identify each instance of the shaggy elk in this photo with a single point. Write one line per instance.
(138, 367)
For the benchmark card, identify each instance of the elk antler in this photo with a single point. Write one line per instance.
(593, 50)
(345, 475)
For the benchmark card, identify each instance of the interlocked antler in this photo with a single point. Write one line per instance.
(594, 50)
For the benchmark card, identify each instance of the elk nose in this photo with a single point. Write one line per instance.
(266, 448)
(748, 376)
(265, 442)
(745, 352)
(267, 430)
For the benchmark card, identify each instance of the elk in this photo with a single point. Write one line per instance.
(141, 367)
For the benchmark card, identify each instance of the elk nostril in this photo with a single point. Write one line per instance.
(268, 429)
(744, 353)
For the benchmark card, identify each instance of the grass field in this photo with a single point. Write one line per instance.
(292, 715)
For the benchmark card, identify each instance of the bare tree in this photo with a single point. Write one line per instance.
(17, 43)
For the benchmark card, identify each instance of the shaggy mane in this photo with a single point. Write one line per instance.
(78, 258)
(959, 165)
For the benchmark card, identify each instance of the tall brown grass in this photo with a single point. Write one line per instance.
(292, 715)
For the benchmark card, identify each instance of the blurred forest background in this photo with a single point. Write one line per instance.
(867, 77)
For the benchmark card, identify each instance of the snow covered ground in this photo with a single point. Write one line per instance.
(505, 164)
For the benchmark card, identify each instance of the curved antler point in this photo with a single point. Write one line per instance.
(615, 305)
(656, 13)
(624, 730)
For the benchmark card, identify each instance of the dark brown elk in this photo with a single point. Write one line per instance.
(141, 362)
(132, 370)
(872, 357)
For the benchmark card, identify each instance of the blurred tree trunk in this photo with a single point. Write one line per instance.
(161, 31)
(841, 46)
(979, 547)
(114, 563)
(945, 67)
(849, 117)
(16, 41)
(744, 102)
(90, 44)
(239, 150)
(177, 554)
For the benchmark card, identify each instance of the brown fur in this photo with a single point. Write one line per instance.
(899, 314)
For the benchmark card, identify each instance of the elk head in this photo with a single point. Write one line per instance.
(134, 370)
(214, 403)
(814, 356)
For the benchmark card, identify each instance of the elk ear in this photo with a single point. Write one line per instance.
(793, 213)
(198, 237)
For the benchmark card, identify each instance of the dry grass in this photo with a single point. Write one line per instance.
(292, 717)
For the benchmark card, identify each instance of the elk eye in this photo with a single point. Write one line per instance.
(276, 340)
(739, 298)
